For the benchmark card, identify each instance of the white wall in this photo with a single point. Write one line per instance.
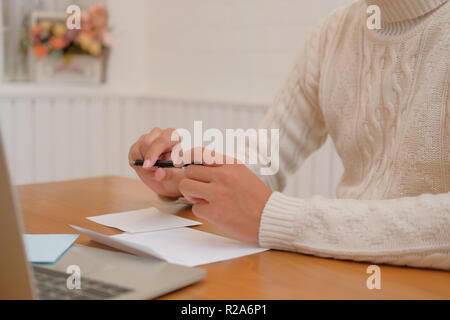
(238, 50)
(130, 57)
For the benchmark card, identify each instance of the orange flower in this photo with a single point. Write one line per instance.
(40, 51)
(85, 20)
(57, 43)
(36, 30)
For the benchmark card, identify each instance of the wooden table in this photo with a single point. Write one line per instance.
(50, 207)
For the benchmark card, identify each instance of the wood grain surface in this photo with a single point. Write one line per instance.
(51, 207)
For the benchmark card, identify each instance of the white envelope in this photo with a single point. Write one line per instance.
(183, 246)
(143, 220)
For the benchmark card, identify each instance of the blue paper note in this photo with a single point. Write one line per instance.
(47, 248)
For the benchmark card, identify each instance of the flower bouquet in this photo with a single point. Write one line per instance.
(57, 54)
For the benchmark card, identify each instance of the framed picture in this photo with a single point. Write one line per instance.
(67, 67)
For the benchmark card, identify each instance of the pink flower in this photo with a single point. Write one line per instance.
(85, 20)
(98, 16)
(44, 34)
(35, 40)
(71, 35)
(107, 39)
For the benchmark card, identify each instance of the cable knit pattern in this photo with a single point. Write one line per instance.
(384, 100)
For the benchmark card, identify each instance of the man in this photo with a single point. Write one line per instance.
(383, 97)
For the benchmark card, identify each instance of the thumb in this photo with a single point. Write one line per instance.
(161, 174)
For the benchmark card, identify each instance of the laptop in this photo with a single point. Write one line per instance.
(100, 274)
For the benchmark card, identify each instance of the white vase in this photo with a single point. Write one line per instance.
(79, 69)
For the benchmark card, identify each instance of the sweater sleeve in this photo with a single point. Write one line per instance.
(295, 112)
(413, 231)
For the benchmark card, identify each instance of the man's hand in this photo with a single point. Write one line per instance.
(150, 147)
(230, 196)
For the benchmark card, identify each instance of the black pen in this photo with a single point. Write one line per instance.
(162, 164)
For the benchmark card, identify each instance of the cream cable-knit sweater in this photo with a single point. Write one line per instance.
(383, 97)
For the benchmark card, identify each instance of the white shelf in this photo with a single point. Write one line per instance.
(37, 90)
(24, 89)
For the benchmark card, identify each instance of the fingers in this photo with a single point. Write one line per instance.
(199, 201)
(208, 157)
(162, 144)
(160, 174)
(134, 153)
(207, 211)
(201, 210)
(146, 140)
(163, 174)
(138, 149)
(193, 189)
(200, 173)
(152, 146)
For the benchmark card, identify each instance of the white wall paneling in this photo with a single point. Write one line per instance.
(204, 54)
(66, 137)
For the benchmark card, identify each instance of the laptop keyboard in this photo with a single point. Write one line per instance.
(51, 285)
